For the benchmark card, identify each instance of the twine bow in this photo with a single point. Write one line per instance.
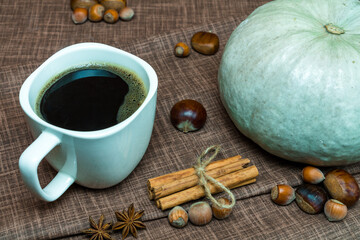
(204, 178)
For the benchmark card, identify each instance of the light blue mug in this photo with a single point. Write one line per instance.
(94, 159)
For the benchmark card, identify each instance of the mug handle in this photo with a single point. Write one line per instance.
(30, 160)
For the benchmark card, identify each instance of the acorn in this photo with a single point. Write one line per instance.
(200, 213)
(342, 186)
(335, 210)
(310, 198)
(221, 213)
(312, 175)
(178, 217)
(282, 194)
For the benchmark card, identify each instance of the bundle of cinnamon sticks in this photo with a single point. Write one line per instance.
(176, 188)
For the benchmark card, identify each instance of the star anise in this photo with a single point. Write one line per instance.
(129, 221)
(98, 231)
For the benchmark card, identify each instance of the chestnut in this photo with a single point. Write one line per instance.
(200, 213)
(342, 186)
(335, 210)
(111, 16)
(117, 5)
(221, 213)
(96, 12)
(79, 15)
(312, 175)
(126, 14)
(311, 198)
(188, 115)
(82, 4)
(181, 50)
(282, 194)
(206, 43)
(178, 217)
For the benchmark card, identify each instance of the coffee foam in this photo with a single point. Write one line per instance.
(133, 99)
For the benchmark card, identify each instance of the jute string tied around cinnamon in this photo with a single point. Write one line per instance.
(204, 178)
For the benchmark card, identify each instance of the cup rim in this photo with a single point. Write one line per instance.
(25, 89)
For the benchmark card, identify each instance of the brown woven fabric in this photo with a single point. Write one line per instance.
(33, 30)
(22, 216)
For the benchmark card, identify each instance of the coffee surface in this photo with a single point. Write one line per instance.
(90, 99)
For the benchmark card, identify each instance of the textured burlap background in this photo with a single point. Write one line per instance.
(32, 31)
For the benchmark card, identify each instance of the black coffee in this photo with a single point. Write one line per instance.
(91, 99)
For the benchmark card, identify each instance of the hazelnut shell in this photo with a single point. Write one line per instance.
(178, 217)
(312, 175)
(221, 213)
(282, 194)
(335, 210)
(181, 50)
(200, 213)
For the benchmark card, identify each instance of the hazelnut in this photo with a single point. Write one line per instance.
(82, 4)
(178, 217)
(111, 16)
(79, 15)
(181, 50)
(282, 194)
(96, 12)
(200, 213)
(205, 42)
(126, 14)
(310, 198)
(113, 4)
(335, 210)
(312, 175)
(342, 186)
(221, 213)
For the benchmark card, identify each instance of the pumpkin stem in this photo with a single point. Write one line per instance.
(331, 28)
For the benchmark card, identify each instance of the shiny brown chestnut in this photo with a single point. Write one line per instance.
(342, 186)
(117, 5)
(188, 115)
(82, 4)
(312, 175)
(282, 194)
(311, 198)
(205, 42)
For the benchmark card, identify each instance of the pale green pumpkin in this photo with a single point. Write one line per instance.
(290, 80)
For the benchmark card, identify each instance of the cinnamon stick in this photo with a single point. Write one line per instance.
(232, 180)
(192, 180)
(171, 177)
